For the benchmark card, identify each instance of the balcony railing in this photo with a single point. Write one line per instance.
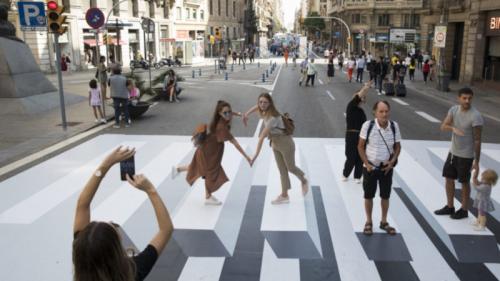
(193, 2)
(381, 4)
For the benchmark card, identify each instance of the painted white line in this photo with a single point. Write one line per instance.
(200, 268)
(320, 81)
(345, 114)
(38, 204)
(274, 268)
(257, 130)
(154, 104)
(330, 95)
(35, 156)
(399, 101)
(427, 117)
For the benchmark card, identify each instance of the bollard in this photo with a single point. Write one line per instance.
(215, 67)
(232, 67)
(244, 66)
(199, 72)
(263, 77)
(225, 76)
(267, 73)
(258, 64)
(271, 70)
(270, 62)
(192, 74)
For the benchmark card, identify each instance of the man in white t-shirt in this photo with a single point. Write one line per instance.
(360, 63)
(379, 147)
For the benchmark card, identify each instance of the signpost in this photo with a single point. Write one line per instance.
(32, 16)
(95, 19)
(440, 36)
(148, 25)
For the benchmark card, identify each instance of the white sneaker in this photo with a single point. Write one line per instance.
(212, 201)
(97, 120)
(344, 178)
(479, 228)
(116, 126)
(280, 200)
(358, 181)
(474, 222)
(174, 172)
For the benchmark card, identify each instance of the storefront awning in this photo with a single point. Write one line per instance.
(112, 41)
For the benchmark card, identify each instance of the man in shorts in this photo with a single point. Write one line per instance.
(466, 124)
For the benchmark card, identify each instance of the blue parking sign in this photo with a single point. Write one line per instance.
(32, 15)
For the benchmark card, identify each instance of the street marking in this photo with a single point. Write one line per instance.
(320, 81)
(345, 114)
(427, 116)
(330, 95)
(154, 104)
(400, 101)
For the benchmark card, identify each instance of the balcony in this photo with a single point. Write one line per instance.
(456, 6)
(383, 4)
(193, 2)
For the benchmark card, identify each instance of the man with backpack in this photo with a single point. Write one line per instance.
(379, 147)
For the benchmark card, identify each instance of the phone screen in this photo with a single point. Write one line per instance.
(127, 167)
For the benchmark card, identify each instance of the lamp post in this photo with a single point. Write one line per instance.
(346, 26)
(106, 25)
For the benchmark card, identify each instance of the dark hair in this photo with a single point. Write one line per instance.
(375, 106)
(93, 84)
(102, 59)
(98, 254)
(4, 11)
(465, 91)
(216, 117)
(117, 70)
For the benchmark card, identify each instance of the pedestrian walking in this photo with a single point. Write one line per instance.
(355, 118)
(311, 73)
(483, 201)
(351, 63)
(65, 61)
(95, 101)
(207, 159)
(379, 147)
(401, 73)
(466, 124)
(360, 64)
(303, 71)
(119, 92)
(411, 69)
(286, 56)
(330, 69)
(281, 140)
(341, 61)
(98, 253)
(102, 76)
(420, 60)
(432, 64)
(426, 68)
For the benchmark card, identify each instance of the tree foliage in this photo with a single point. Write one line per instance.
(314, 24)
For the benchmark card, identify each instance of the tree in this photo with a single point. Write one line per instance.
(314, 24)
(250, 23)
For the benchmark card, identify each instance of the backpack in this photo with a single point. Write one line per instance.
(199, 135)
(288, 122)
(393, 129)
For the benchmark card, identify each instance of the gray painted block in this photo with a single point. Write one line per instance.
(200, 243)
(476, 248)
(384, 247)
(292, 244)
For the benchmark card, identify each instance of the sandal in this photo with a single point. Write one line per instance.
(368, 230)
(387, 228)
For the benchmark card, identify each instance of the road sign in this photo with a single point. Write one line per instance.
(94, 17)
(32, 16)
(440, 36)
(148, 25)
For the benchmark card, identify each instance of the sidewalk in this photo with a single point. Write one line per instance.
(23, 135)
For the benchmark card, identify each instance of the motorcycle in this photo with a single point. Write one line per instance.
(162, 63)
(139, 64)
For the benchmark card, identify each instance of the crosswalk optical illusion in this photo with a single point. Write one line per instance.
(317, 237)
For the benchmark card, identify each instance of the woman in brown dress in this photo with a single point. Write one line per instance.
(207, 159)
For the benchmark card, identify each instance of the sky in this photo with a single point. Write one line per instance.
(290, 6)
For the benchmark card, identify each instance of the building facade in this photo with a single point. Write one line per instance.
(226, 24)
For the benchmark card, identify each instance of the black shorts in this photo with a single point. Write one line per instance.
(457, 168)
(371, 179)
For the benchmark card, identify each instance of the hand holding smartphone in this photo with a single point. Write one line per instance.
(127, 167)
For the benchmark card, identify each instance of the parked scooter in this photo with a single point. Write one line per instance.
(139, 64)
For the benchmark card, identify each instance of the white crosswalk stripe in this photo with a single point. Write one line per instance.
(39, 213)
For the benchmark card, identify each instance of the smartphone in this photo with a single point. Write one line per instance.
(127, 167)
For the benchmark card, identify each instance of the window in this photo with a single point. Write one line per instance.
(187, 14)
(410, 20)
(218, 7)
(210, 7)
(227, 8)
(151, 9)
(234, 33)
(179, 13)
(234, 9)
(194, 14)
(211, 30)
(384, 20)
(202, 15)
(356, 18)
(116, 8)
(165, 10)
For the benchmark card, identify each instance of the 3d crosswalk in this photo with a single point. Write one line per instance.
(316, 237)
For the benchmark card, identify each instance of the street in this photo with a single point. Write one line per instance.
(316, 237)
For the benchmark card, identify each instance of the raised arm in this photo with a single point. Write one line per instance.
(165, 225)
(250, 111)
(364, 91)
(262, 136)
(82, 214)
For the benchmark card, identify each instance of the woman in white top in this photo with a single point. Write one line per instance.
(282, 144)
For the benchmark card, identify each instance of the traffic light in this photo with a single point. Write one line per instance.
(55, 17)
